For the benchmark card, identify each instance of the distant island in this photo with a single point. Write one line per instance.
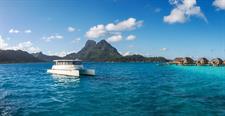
(17, 56)
(92, 51)
(100, 52)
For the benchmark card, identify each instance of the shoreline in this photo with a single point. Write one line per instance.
(83, 61)
(161, 63)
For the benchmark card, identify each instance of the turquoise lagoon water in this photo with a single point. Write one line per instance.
(127, 89)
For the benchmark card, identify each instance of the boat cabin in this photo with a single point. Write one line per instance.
(68, 62)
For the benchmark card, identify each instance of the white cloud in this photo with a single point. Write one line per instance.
(126, 53)
(163, 49)
(52, 37)
(176, 15)
(3, 44)
(220, 4)
(71, 29)
(115, 38)
(76, 40)
(113, 28)
(14, 31)
(183, 10)
(25, 46)
(27, 31)
(61, 54)
(131, 37)
(96, 32)
(125, 25)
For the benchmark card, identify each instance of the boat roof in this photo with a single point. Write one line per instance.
(67, 60)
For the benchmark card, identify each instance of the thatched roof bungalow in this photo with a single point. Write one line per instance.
(202, 61)
(216, 62)
(175, 61)
(178, 60)
(183, 61)
(188, 61)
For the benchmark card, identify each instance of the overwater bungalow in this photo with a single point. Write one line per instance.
(216, 62)
(188, 61)
(202, 61)
(183, 61)
(177, 61)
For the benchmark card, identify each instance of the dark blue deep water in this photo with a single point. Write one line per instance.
(129, 89)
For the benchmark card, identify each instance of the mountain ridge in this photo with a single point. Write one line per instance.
(101, 51)
(17, 56)
(92, 51)
(44, 57)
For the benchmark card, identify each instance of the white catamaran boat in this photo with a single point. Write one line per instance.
(70, 68)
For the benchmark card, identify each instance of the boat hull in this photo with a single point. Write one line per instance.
(89, 72)
(76, 73)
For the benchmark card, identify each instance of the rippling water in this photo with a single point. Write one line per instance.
(117, 89)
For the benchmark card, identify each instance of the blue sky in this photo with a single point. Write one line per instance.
(167, 28)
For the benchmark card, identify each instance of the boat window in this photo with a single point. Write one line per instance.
(70, 63)
(59, 63)
(67, 63)
(76, 62)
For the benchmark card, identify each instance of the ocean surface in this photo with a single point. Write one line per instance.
(127, 89)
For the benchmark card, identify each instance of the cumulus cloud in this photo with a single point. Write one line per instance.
(25, 46)
(220, 4)
(61, 53)
(163, 49)
(3, 44)
(175, 16)
(131, 37)
(71, 29)
(115, 38)
(125, 25)
(113, 29)
(52, 37)
(27, 31)
(96, 32)
(183, 10)
(14, 31)
(127, 53)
